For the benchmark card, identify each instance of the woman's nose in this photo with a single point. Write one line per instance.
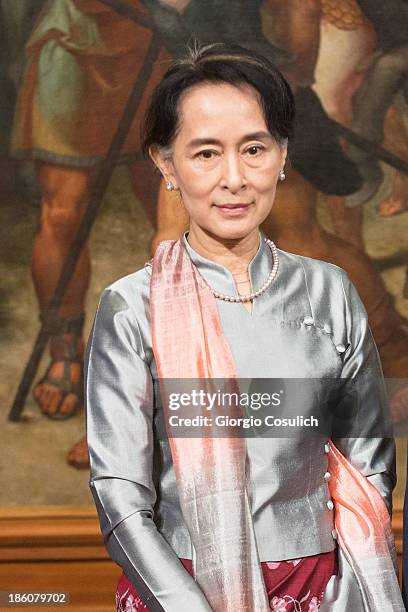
(233, 173)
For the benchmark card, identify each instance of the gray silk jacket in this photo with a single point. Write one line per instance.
(310, 323)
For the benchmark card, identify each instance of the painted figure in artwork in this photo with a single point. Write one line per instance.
(81, 61)
(360, 90)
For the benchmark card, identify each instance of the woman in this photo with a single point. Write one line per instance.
(223, 522)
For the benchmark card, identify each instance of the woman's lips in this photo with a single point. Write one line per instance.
(233, 210)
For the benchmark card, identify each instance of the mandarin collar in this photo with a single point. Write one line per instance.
(221, 279)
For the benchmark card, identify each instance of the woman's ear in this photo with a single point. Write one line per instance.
(164, 164)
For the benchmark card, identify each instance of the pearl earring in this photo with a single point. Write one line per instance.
(282, 175)
(169, 186)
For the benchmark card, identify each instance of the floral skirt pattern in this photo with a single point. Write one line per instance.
(297, 585)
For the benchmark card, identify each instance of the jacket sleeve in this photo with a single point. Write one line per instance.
(119, 410)
(369, 444)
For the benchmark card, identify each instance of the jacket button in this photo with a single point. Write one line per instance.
(341, 348)
(327, 476)
(334, 534)
(308, 320)
(326, 448)
(330, 504)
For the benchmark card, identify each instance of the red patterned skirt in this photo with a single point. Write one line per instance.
(297, 585)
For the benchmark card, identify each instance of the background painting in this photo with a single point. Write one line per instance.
(67, 70)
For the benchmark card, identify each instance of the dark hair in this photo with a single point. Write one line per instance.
(218, 63)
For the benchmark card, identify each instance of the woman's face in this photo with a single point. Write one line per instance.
(225, 162)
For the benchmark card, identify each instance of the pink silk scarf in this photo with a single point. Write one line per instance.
(212, 479)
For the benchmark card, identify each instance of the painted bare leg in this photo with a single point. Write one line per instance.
(397, 201)
(396, 141)
(342, 63)
(78, 455)
(64, 197)
(336, 82)
(145, 185)
(347, 222)
(398, 404)
(172, 218)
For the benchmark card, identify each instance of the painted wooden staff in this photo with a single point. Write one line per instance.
(372, 148)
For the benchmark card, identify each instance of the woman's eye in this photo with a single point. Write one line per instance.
(254, 150)
(206, 154)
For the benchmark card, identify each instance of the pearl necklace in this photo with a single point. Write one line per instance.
(255, 294)
(249, 296)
